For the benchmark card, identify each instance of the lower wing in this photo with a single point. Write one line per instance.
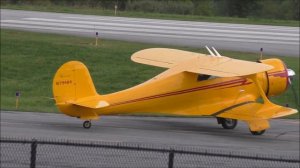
(255, 114)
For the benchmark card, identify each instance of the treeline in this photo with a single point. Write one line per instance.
(268, 9)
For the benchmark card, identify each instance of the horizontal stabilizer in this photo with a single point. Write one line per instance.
(90, 102)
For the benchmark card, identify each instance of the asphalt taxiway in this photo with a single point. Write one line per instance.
(281, 139)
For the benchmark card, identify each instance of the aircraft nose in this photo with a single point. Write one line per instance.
(291, 73)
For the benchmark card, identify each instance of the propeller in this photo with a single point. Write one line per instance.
(291, 74)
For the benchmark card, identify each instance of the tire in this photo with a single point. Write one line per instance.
(258, 132)
(228, 123)
(87, 124)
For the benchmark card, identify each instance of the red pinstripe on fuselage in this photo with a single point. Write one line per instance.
(227, 84)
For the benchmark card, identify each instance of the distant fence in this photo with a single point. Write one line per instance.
(33, 153)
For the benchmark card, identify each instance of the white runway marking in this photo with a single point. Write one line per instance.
(279, 40)
(136, 32)
(185, 23)
(159, 28)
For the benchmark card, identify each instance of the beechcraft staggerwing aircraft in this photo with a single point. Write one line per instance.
(194, 84)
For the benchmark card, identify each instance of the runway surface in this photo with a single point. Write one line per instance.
(277, 40)
(281, 139)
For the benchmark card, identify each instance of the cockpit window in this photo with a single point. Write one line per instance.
(203, 77)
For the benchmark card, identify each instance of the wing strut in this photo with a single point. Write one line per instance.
(211, 53)
(218, 54)
(260, 89)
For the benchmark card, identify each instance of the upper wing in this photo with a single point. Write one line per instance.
(198, 63)
(163, 57)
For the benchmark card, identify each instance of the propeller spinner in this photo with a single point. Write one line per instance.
(291, 73)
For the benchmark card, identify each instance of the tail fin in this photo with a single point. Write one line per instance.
(72, 81)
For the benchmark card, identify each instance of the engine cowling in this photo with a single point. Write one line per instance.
(276, 80)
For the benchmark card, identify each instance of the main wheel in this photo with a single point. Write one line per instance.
(227, 123)
(87, 124)
(257, 132)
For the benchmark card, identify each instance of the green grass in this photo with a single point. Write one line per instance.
(30, 60)
(97, 11)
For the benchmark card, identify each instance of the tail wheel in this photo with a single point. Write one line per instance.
(87, 124)
(227, 123)
(257, 132)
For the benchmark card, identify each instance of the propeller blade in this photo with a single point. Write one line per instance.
(292, 73)
(296, 98)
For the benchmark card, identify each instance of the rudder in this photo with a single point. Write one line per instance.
(71, 82)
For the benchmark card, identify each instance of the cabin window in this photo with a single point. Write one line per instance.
(203, 77)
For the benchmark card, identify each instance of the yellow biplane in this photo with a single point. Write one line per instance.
(194, 84)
